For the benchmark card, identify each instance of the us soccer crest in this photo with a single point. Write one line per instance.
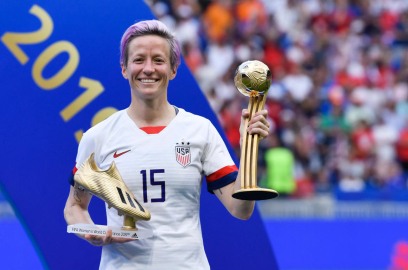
(183, 154)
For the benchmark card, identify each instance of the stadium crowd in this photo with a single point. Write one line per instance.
(338, 104)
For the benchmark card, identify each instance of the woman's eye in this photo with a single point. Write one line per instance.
(138, 60)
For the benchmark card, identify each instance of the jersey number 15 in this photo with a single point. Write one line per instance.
(162, 184)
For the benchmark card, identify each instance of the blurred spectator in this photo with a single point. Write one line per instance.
(279, 168)
(187, 27)
(298, 84)
(402, 29)
(352, 177)
(218, 20)
(362, 140)
(192, 56)
(385, 137)
(231, 119)
(162, 11)
(206, 76)
(402, 150)
(334, 121)
(220, 57)
(357, 111)
(251, 16)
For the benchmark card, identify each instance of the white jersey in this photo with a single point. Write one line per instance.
(165, 172)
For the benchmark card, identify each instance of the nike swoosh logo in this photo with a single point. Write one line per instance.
(118, 155)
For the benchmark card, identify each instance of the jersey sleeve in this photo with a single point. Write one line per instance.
(85, 149)
(219, 168)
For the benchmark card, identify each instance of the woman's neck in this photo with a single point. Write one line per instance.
(149, 113)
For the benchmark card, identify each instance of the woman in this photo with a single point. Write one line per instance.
(162, 153)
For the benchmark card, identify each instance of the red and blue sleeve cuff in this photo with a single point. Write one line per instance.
(71, 177)
(221, 178)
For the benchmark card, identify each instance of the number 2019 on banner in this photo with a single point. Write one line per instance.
(93, 87)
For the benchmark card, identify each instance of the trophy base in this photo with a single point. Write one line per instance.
(101, 230)
(255, 194)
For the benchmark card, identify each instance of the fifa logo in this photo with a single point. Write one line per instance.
(183, 155)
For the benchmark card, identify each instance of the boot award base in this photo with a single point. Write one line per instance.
(255, 194)
(116, 231)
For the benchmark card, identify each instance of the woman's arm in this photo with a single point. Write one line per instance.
(239, 208)
(76, 208)
(76, 211)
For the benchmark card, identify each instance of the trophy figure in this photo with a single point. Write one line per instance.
(252, 79)
(108, 185)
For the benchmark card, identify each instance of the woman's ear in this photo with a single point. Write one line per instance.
(173, 73)
(123, 71)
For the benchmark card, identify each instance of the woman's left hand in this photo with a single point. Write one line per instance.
(257, 125)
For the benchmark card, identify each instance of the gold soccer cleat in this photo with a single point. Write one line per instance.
(109, 186)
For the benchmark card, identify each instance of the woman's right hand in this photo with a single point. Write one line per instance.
(98, 240)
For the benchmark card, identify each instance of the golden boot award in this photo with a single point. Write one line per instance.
(252, 79)
(109, 186)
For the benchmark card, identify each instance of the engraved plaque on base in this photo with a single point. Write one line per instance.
(101, 230)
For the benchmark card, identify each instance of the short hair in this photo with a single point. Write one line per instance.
(150, 27)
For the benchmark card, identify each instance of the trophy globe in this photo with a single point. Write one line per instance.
(253, 78)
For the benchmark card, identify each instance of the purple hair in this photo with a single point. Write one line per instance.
(151, 27)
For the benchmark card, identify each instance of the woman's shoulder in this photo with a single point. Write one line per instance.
(104, 127)
(193, 118)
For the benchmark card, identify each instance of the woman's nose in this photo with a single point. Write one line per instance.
(148, 68)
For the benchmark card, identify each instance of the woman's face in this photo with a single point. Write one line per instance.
(148, 68)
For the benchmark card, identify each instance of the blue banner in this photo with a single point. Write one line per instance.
(339, 243)
(60, 75)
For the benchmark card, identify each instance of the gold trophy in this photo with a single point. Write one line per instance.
(109, 186)
(252, 79)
